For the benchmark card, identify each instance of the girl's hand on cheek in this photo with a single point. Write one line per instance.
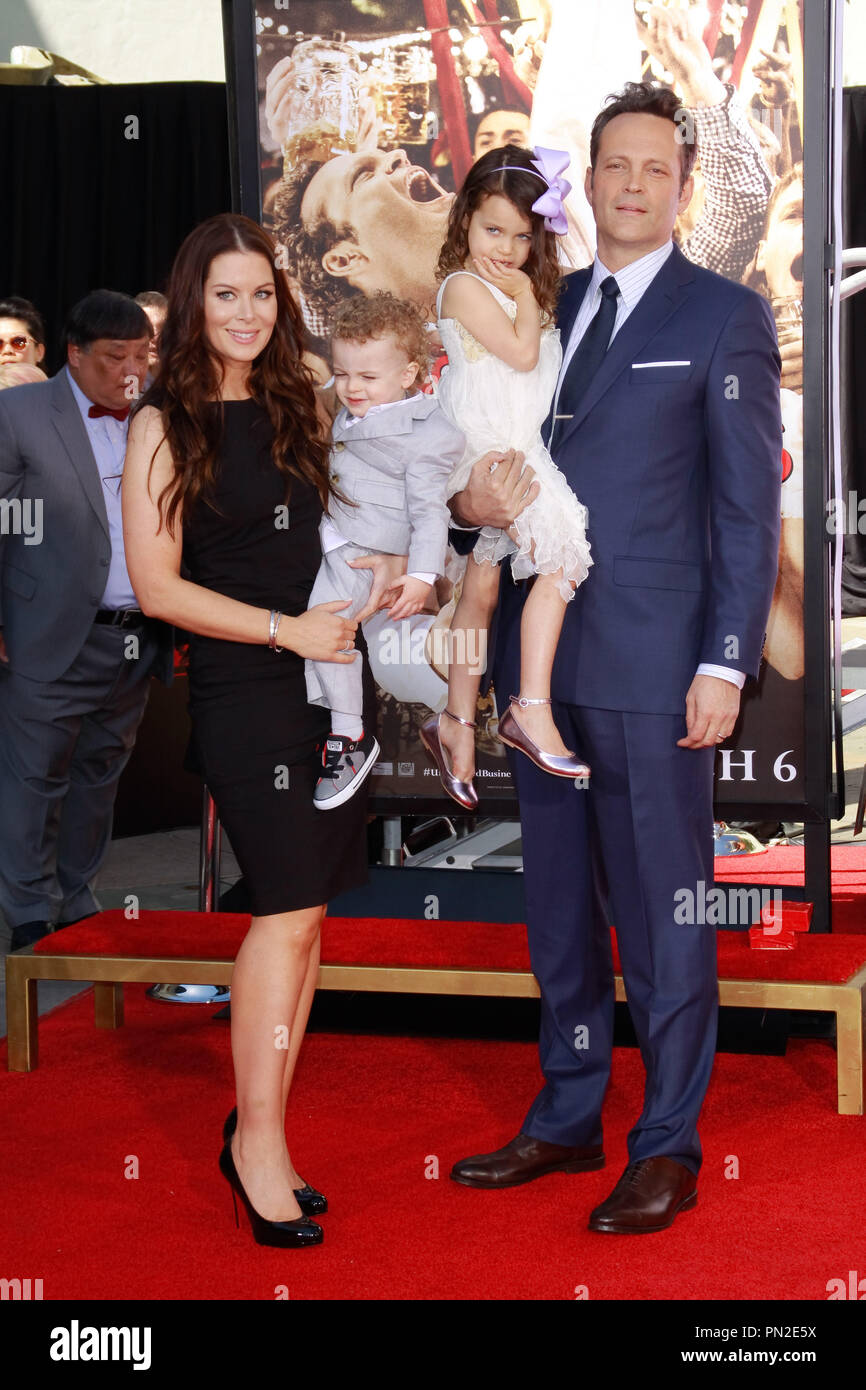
(512, 281)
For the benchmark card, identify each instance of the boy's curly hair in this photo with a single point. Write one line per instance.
(382, 315)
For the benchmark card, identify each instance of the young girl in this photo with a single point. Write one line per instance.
(495, 307)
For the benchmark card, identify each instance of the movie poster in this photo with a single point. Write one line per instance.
(371, 113)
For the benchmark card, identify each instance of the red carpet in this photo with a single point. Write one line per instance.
(402, 941)
(367, 1115)
(784, 865)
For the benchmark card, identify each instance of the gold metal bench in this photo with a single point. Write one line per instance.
(845, 999)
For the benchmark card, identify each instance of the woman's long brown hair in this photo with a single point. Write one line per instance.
(520, 183)
(190, 375)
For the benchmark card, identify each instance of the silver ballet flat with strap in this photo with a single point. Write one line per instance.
(510, 732)
(463, 793)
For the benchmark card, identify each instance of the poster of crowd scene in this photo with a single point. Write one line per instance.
(370, 114)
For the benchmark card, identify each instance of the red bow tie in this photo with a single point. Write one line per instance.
(96, 411)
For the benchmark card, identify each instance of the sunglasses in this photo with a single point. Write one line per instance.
(17, 343)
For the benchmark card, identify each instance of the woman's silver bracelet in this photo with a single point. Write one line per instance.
(272, 630)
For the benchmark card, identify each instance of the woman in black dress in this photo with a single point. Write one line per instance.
(226, 477)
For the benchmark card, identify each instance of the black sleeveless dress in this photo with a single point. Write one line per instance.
(255, 739)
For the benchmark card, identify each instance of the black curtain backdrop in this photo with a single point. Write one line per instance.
(91, 200)
(87, 207)
(854, 354)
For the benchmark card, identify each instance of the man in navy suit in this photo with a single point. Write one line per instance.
(666, 423)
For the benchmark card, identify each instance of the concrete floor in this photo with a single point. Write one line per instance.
(162, 869)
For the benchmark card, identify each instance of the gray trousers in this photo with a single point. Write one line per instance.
(335, 684)
(63, 746)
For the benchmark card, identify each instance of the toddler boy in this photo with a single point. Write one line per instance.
(392, 453)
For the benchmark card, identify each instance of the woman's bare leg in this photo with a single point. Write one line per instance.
(271, 987)
(540, 626)
(299, 1028)
(468, 656)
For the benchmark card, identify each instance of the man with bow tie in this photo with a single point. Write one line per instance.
(76, 653)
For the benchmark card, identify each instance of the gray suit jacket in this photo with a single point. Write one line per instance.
(51, 584)
(394, 466)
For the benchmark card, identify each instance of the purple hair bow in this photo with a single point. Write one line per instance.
(551, 165)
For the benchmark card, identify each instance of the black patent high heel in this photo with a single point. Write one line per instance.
(311, 1201)
(284, 1234)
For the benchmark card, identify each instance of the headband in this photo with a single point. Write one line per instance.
(550, 165)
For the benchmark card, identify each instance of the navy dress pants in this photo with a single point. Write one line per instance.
(621, 852)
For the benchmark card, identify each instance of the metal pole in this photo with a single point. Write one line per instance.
(818, 876)
(208, 901)
(210, 846)
(392, 848)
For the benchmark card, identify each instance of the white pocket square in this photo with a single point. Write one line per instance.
(635, 365)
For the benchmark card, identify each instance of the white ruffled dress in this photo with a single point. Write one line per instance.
(498, 407)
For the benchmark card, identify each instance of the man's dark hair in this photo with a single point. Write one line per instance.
(647, 99)
(323, 293)
(105, 314)
(14, 307)
(152, 299)
(473, 121)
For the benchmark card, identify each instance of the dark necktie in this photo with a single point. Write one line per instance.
(96, 411)
(587, 359)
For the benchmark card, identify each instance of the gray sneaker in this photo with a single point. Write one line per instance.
(346, 763)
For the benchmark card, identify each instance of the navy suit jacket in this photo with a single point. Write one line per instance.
(676, 452)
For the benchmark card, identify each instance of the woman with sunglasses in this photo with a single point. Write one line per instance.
(22, 333)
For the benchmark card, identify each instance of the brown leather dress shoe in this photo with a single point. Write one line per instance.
(647, 1197)
(523, 1160)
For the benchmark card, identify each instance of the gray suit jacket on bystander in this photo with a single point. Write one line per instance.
(52, 579)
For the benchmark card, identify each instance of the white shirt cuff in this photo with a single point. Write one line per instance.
(330, 537)
(724, 673)
(425, 578)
